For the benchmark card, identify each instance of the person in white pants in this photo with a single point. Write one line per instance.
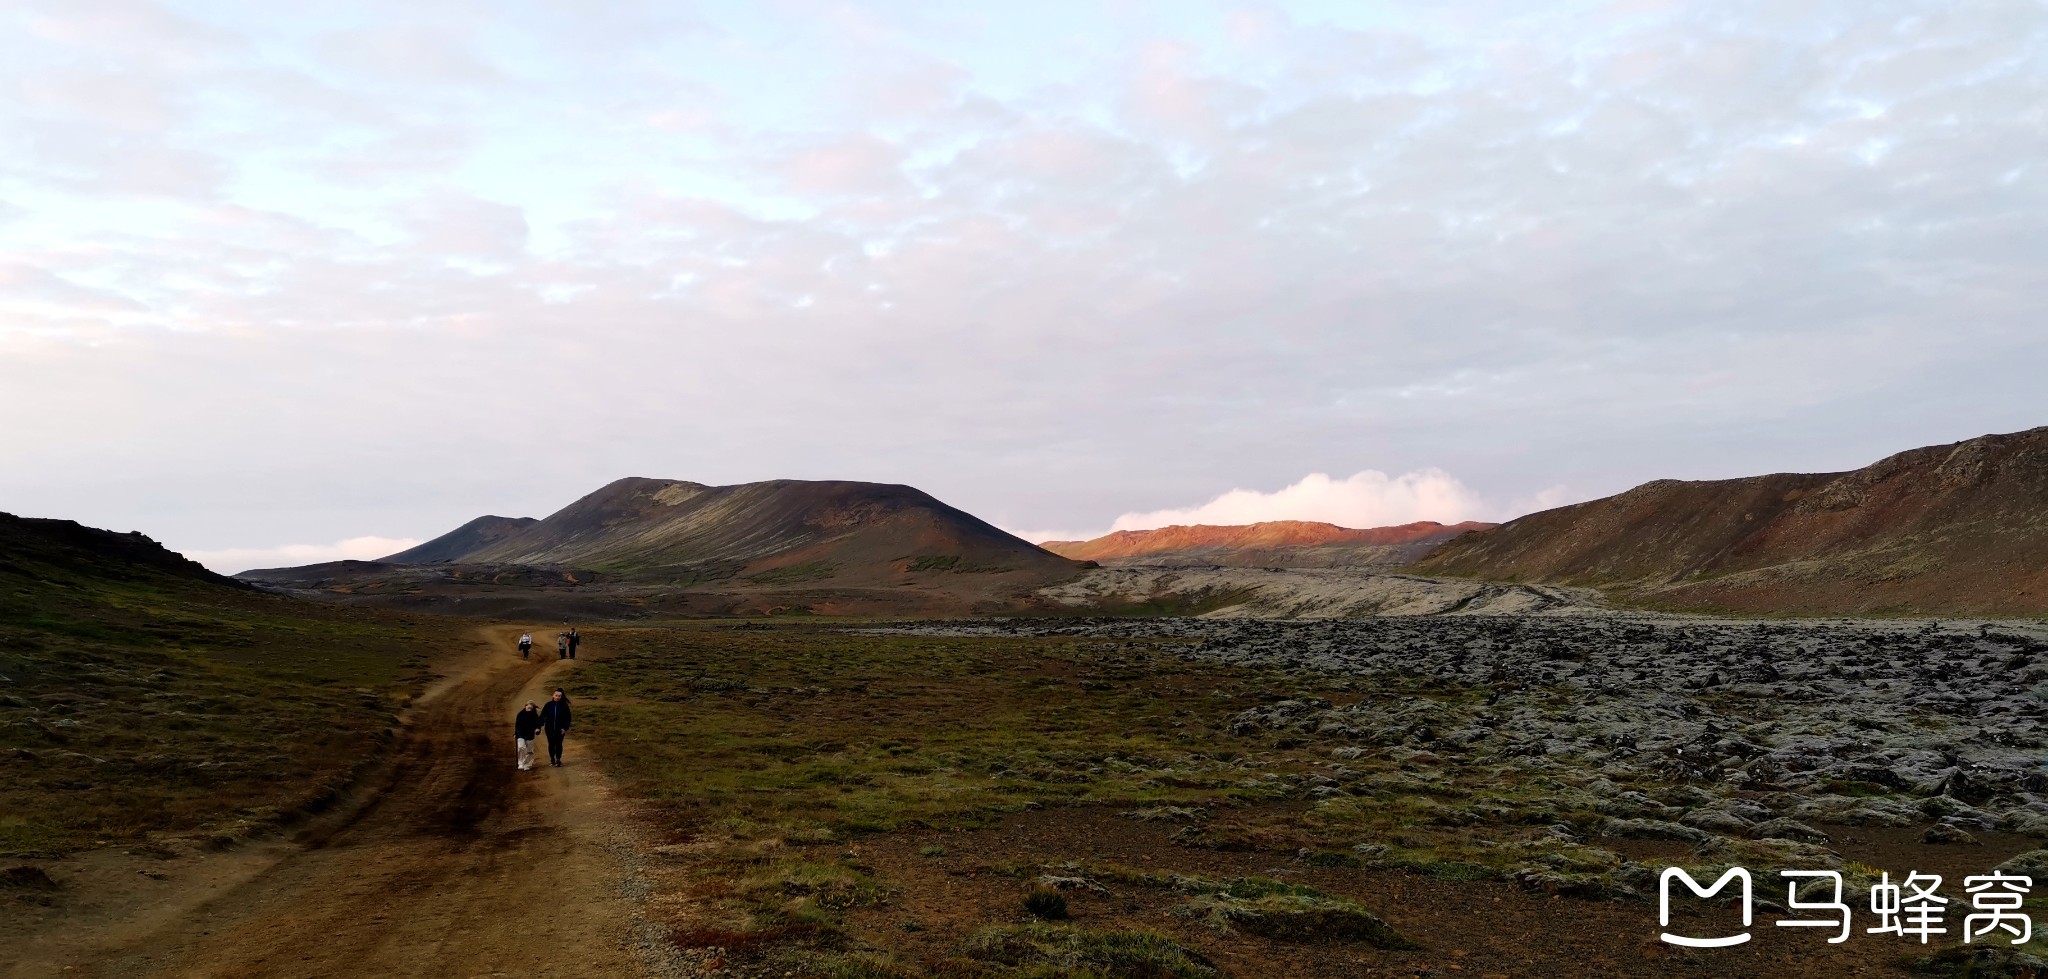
(525, 727)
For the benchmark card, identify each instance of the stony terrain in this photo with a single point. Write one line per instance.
(1959, 529)
(1747, 741)
(1856, 722)
(1501, 791)
(1305, 593)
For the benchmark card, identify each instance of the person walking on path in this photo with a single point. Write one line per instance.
(562, 646)
(524, 726)
(554, 719)
(525, 644)
(574, 639)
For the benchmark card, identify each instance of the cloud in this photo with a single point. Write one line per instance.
(456, 226)
(859, 164)
(301, 282)
(408, 52)
(1364, 499)
(234, 560)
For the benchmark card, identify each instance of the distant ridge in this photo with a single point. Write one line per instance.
(1274, 543)
(1949, 529)
(472, 536)
(843, 545)
(857, 529)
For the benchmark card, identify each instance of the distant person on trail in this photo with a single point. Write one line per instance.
(562, 645)
(554, 719)
(525, 644)
(524, 727)
(574, 639)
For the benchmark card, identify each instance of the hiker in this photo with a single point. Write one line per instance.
(562, 645)
(554, 719)
(573, 640)
(524, 727)
(525, 644)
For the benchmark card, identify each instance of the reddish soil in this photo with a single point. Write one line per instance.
(1463, 928)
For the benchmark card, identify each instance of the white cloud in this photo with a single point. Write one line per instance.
(1364, 499)
(233, 560)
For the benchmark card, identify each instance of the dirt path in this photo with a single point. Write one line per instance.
(453, 863)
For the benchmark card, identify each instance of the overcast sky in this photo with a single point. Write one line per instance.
(366, 270)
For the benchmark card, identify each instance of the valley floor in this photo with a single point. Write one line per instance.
(1402, 796)
(1487, 796)
(445, 862)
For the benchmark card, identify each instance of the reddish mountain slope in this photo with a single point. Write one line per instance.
(1947, 529)
(1273, 544)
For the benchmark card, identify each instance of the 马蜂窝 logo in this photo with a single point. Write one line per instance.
(1664, 906)
(1909, 909)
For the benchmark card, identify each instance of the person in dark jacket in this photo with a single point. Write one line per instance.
(574, 641)
(554, 719)
(524, 726)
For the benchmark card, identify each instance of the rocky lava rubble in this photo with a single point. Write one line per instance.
(1674, 728)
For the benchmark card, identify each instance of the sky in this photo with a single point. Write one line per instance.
(282, 287)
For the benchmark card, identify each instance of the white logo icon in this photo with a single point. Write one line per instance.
(1664, 906)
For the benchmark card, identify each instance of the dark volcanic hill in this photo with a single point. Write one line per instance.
(60, 550)
(1272, 544)
(845, 545)
(824, 528)
(1943, 530)
(472, 536)
(146, 698)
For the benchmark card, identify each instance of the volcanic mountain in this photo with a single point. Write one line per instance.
(472, 536)
(1272, 544)
(840, 543)
(1947, 529)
